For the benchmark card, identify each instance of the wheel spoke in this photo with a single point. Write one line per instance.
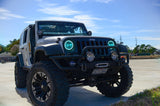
(36, 79)
(117, 83)
(37, 89)
(111, 84)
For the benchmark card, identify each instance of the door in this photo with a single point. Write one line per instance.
(25, 48)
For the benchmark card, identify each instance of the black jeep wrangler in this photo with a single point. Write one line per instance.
(57, 55)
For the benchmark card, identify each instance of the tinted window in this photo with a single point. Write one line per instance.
(61, 28)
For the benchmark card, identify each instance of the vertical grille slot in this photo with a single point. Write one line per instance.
(105, 43)
(79, 46)
(83, 44)
(98, 50)
(102, 50)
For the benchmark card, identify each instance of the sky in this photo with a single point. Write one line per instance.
(129, 19)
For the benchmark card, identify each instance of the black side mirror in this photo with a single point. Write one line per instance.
(30, 26)
(40, 33)
(89, 33)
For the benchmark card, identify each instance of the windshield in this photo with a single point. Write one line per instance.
(61, 28)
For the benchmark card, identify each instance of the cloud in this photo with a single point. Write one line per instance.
(149, 38)
(2, 10)
(123, 33)
(86, 17)
(39, 0)
(58, 10)
(104, 1)
(78, 0)
(113, 21)
(157, 46)
(6, 14)
(29, 22)
(147, 30)
(101, 1)
(120, 26)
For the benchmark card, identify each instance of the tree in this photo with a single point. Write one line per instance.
(14, 50)
(144, 49)
(12, 43)
(2, 48)
(136, 49)
(129, 50)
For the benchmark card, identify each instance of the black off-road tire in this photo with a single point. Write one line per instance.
(20, 76)
(55, 90)
(110, 90)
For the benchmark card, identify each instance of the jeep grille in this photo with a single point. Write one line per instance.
(81, 43)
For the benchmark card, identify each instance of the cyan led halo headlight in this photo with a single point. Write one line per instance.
(111, 43)
(68, 45)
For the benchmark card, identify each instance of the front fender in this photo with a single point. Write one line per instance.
(50, 49)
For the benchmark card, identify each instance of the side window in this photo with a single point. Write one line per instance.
(25, 36)
(21, 39)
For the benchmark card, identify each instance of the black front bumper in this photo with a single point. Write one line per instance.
(83, 65)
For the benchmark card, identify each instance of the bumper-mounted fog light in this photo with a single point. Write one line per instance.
(114, 56)
(90, 56)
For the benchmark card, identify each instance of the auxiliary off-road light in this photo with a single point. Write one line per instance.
(114, 55)
(68, 45)
(90, 56)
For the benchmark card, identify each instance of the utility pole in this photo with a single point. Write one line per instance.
(121, 40)
(136, 41)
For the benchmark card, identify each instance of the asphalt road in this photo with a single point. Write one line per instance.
(146, 75)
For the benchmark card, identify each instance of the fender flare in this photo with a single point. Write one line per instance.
(49, 50)
(19, 58)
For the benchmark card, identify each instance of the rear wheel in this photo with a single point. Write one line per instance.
(120, 84)
(20, 76)
(46, 85)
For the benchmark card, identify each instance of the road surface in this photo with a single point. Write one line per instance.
(146, 75)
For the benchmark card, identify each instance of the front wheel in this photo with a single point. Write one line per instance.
(120, 84)
(46, 85)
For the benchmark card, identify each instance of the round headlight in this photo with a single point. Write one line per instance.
(90, 56)
(68, 45)
(114, 56)
(111, 43)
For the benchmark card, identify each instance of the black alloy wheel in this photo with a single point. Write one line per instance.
(41, 86)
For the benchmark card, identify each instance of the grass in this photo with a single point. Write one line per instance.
(146, 98)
